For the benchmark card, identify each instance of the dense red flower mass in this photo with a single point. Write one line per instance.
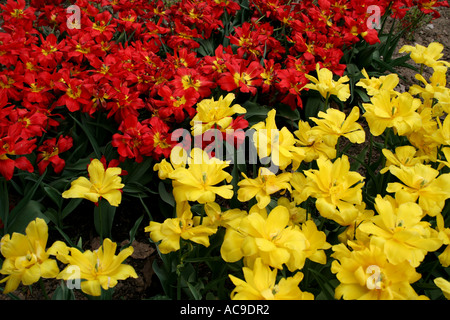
(146, 64)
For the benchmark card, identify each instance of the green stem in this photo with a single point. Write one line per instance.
(179, 276)
(44, 291)
(5, 207)
(325, 108)
(100, 217)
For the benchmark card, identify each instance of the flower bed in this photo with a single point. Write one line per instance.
(284, 160)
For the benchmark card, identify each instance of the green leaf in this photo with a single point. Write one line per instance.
(312, 106)
(4, 200)
(19, 215)
(135, 228)
(324, 283)
(286, 111)
(138, 172)
(62, 292)
(163, 277)
(103, 218)
(89, 135)
(166, 196)
(72, 205)
(30, 211)
(254, 109)
(54, 195)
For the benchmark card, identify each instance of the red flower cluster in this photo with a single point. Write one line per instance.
(146, 64)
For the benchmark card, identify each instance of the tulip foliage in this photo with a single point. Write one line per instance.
(283, 159)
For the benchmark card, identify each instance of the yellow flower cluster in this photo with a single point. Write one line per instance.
(378, 258)
(379, 250)
(27, 259)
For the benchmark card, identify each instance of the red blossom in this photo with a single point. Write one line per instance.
(241, 75)
(48, 153)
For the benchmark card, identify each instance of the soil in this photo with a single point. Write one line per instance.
(436, 31)
(147, 285)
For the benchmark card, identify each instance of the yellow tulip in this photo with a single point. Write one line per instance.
(365, 273)
(444, 235)
(336, 188)
(26, 256)
(399, 231)
(279, 144)
(316, 242)
(444, 285)
(215, 114)
(313, 145)
(422, 138)
(403, 156)
(269, 238)
(263, 186)
(428, 56)
(101, 184)
(373, 85)
(422, 183)
(199, 181)
(260, 284)
(100, 268)
(399, 113)
(215, 217)
(326, 86)
(431, 91)
(172, 230)
(333, 124)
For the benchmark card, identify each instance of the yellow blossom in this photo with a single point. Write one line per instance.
(101, 184)
(446, 162)
(212, 114)
(336, 188)
(298, 183)
(399, 230)
(215, 217)
(352, 232)
(316, 242)
(403, 156)
(279, 144)
(444, 235)
(399, 113)
(27, 258)
(200, 180)
(263, 186)
(326, 86)
(422, 183)
(172, 230)
(313, 144)
(100, 268)
(421, 138)
(442, 134)
(297, 214)
(365, 273)
(444, 285)
(374, 84)
(269, 238)
(430, 91)
(260, 284)
(333, 124)
(178, 158)
(443, 99)
(428, 56)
